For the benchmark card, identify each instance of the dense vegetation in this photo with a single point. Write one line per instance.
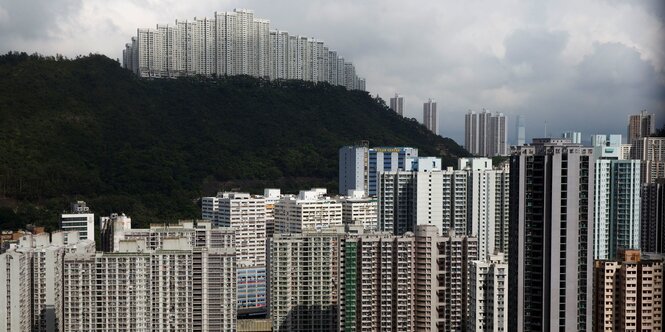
(88, 129)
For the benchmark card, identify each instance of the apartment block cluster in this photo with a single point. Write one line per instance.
(486, 134)
(573, 233)
(430, 114)
(235, 43)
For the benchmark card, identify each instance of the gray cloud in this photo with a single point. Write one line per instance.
(578, 66)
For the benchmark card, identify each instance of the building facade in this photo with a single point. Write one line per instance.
(551, 232)
(235, 43)
(430, 119)
(79, 219)
(488, 294)
(310, 209)
(397, 104)
(486, 135)
(628, 293)
(641, 125)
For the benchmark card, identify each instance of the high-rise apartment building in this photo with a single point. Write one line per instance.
(487, 204)
(79, 219)
(616, 199)
(356, 281)
(272, 196)
(359, 166)
(310, 209)
(353, 168)
(488, 294)
(486, 135)
(235, 43)
(15, 291)
(31, 281)
(430, 119)
(179, 278)
(304, 275)
(360, 210)
(376, 282)
(397, 104)
(396, 202)
(550, 251)
(628, 293)
(641, 125)
(573, 136)
(653, 217)
(651, 151)
(442, 279)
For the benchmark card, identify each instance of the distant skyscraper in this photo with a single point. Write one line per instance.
(641, 125)
(235, 43)
(521, 130)
(430, 119)
(486, 135)
(551, 236)
(651, 151)
(574, 136)
(79, 219)
(397, 104)
(471, 132)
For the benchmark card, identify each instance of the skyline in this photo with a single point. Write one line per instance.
(602, 61)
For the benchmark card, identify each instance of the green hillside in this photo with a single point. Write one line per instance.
(88, 129)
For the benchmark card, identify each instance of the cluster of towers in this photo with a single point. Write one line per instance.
(235, 43)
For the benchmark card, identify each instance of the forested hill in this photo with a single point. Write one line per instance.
(88, 129)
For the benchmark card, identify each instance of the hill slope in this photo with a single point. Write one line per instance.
(88, 129)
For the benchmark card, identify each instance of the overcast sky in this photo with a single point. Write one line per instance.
(577, 65)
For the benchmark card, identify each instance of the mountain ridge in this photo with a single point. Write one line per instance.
(87, 129)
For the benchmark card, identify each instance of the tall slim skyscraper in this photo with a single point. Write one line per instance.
(521, 130)
(430, 119)
(641, 125)
(616, 199)
(397, 104)
(550, 252)
(471, 132)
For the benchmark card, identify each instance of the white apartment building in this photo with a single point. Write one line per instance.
(428, 198)
(358, 209)
(38, 278)
(303, 273)
(246, 214)
(235, 43)
(487, 204)
(488, 294)
(272, 196)
(184, 284)
(79, 219)
(311, 209)
(454, 208)
(15, 292)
